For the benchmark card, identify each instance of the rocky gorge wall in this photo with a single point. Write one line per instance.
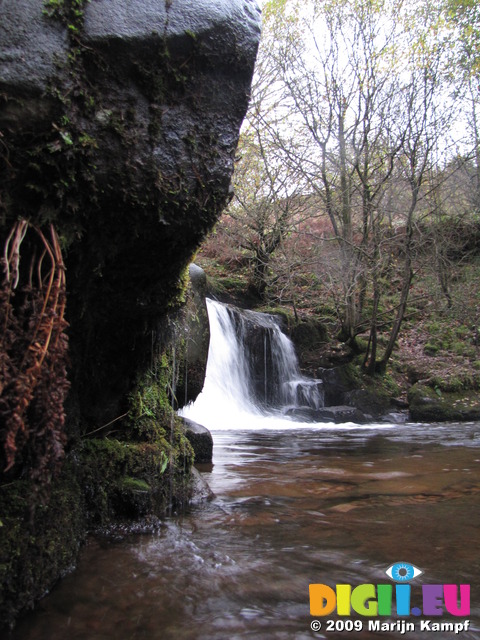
(118, 129)
(119, 125)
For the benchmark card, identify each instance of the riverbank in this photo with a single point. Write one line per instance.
(104, 485)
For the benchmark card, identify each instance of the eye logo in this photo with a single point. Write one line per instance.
(403, 572)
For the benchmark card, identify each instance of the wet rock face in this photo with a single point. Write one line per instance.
(121, 132)
(178, 74)
(197, 332)
(31, 47)
(201, 440)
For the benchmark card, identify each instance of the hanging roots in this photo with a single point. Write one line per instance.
(33, 353)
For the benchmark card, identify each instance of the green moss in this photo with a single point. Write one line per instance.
(135, 484)
(286, 315)
(308, 335)
(150, 401)
(114, 472)
(352, 375)
(39, 540)
(448, 336)
(431, 404)
(231, 285)
(180, 297)
(361, 344)
(431, 348)
(385, 385)
(456, 382)
(70, 12)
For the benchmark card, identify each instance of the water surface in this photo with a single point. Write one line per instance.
(292, 507)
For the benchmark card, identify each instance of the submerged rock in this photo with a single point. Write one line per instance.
(341, 414)
(201, 491)
(337, 414)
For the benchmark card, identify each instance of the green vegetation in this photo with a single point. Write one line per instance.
(429, 404)
(150, 407)
(69, 11)
(127, 480)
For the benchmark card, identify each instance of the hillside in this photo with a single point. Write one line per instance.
(435, 366)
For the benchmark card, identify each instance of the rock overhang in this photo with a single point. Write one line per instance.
(123, 136)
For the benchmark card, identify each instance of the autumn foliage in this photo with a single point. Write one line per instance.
(33, 354)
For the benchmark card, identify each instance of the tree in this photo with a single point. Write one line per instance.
(266, 207)
(268, 202)
(351, 122)
(463, 18)
(362, 83)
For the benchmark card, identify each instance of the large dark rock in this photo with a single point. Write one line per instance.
(118, 127)
(368, 402)
(122, 132)
(32, 48)
(337, 383)
(341, 414)
(201, 440)
(338, 414)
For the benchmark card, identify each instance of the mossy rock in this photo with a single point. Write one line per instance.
(309, 334)
(125, 480)
(40, 537)
(429, 404)
(133, 498)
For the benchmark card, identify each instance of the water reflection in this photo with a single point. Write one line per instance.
(291, 508)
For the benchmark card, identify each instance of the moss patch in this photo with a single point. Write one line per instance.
(428, 404)
(39, 539)
(125, 480)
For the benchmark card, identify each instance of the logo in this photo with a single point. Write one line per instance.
(375, 600)
(403, 572)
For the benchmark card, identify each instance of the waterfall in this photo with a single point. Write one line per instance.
(252, 378)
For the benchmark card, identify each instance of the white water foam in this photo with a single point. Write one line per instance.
(227, 402)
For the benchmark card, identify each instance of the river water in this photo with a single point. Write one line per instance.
(295, 504)
(292, 507)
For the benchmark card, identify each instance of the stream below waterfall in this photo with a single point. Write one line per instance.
(292, 507)
(295, 503)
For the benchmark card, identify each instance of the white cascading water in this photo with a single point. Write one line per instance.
(238, 393)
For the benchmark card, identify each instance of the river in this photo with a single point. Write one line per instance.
(295, 504)
(292, 507)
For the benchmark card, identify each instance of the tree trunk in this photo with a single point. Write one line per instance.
(402, 306)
